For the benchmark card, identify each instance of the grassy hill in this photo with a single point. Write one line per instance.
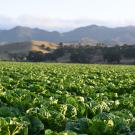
(43, 46)
(22, 49)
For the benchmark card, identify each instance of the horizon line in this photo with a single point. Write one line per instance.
(83, 26)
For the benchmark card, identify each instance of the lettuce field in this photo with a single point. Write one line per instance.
(66, 99)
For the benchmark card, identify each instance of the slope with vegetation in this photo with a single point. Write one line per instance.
(37, 51)
(93, 54)
(20, 50)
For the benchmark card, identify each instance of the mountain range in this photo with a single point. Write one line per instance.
(88, 34)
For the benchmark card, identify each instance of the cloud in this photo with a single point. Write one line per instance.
(40, 22)
(56, 23)
(45, 23)
(6, 22)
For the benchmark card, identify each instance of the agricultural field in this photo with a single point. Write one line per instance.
(66, 99)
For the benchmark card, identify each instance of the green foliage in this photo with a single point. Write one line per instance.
(66, 99)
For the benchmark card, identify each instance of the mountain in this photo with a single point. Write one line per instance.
(19, 34)
(89, 34)
(119, 35)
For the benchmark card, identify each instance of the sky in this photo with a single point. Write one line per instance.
(65, 15)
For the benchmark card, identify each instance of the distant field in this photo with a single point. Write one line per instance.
(66, 99)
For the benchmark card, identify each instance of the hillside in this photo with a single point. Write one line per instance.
(37, 51)
(22, 49)
(89, 34)
(19, 34)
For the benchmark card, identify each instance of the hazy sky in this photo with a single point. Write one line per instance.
(64, 15)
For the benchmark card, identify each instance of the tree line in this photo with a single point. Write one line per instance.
(87, 54)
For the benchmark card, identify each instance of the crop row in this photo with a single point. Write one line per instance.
(60, 99)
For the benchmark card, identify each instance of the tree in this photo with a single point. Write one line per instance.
(112, 54)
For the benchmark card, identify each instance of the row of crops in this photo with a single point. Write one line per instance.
(66, 99)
